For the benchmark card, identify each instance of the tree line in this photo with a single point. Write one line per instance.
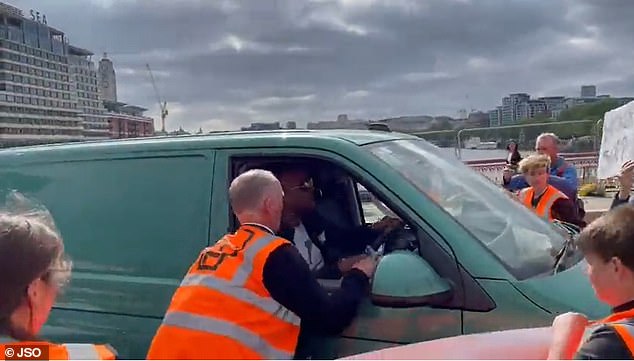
(581, 136)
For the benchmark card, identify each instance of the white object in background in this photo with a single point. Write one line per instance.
(617, 143)
(518, 344)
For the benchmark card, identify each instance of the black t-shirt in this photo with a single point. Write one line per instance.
(605, 344)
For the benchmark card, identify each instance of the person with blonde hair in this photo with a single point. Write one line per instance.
(545, 200)
(33, 269)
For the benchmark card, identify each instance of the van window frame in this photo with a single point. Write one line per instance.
(470, 295)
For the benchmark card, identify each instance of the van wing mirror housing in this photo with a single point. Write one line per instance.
(404, 279)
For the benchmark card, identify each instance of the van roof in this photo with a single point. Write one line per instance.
(229, 139)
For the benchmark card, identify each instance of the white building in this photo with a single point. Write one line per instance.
(86, 94)
(36, 104)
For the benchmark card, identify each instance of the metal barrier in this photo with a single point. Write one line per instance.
(586, 164)
(596, 130)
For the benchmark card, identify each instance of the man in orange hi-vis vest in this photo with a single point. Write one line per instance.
(244, 297)
(545, 200)
(608, 247)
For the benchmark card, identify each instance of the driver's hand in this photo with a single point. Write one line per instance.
(345, 264)
(387, 224)
(367, 265)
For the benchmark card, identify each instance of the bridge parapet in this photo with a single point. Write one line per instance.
(586, 164)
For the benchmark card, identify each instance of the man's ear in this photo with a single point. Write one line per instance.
(620, 268)
(266, 203)
(32, 291)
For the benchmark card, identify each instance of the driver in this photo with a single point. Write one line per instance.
(328, 249)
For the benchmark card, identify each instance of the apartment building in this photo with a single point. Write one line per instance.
(85, 92)
(36, 104)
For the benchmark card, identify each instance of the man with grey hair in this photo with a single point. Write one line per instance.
(548, 144)
(244, 297)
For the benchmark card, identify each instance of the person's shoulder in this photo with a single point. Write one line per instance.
(561, 194)
(518, 180)
(565, 165)
(559, 182)
(603, 343)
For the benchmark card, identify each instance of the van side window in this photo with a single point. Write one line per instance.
(373, 209)
(344, 212)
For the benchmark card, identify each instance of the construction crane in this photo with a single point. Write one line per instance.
(162, 103)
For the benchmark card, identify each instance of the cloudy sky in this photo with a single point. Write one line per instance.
(222, 64)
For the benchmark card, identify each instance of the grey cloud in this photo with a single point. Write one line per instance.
(227, 63)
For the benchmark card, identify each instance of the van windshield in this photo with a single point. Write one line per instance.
(524, 243)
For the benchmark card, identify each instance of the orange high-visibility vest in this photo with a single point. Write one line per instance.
(222, 310)
(622, 323)
(67, 351)
(544, 207)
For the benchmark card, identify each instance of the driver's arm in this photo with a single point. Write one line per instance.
(289, 281)
(350, 241)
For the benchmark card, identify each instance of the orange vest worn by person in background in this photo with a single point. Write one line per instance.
(69, 351)
(222, 310)
(544, 207)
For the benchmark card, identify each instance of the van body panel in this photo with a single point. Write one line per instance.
(134, 215)
(131, 225)
(566, 291)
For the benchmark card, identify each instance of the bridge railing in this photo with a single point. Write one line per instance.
(593, 127)
(586, 164)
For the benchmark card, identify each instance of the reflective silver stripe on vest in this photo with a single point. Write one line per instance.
(218, 327)
(81, 351)
(238, 291)
(242, 274)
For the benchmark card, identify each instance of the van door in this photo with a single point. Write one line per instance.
(376, 326)
(132, 224)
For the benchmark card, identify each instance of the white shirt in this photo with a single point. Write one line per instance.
(307, 249)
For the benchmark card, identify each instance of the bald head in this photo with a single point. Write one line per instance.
(249, 189)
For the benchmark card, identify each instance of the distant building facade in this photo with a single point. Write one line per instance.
(128, 121)
(107, 80)
(50, 91)
(36, 104)
(477, 120)
(262, 126)
(588, 91)
(86, 94)
(554, 105)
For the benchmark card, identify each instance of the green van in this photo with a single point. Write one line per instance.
(135, 213)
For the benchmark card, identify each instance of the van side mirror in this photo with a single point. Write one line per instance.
(404, 279)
